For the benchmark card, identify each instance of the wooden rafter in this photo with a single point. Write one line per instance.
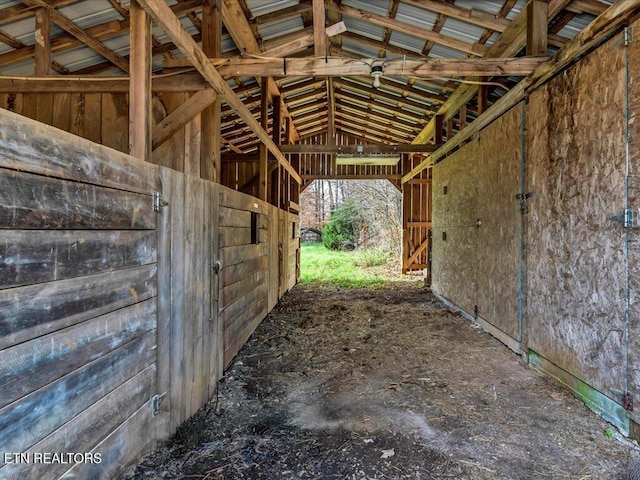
(73, 29)
(512, 40)
(99, 32)
(163, 15)
(382, 21)
(590, 37)
(240, 30)
(295, 10)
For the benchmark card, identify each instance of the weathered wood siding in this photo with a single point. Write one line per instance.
(244, 274)
(78, 269)
(105, 303)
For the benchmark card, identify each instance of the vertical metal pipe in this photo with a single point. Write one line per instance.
(627, 299)
(523, 186)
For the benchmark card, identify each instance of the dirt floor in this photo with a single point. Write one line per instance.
(375, 384)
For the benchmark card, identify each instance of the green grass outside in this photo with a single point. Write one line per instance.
(318, 265)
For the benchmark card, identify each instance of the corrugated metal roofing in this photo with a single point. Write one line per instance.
(90, 13)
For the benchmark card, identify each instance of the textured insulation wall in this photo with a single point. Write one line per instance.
(479, 265)
(454, 233)
(576, 172)
(575, 264)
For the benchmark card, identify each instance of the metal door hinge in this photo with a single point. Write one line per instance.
(156, 401)
(627, 218)
(628, 36)
(523, 197)
(626, 398)
(158, 202)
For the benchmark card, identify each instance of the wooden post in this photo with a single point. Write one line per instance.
(537, 11)
(449, 128)
(463, 117)
(43, 42)
(140, 84)
(319, 33)
(263, 188)
(437, 136)
(210, 161)
(276, 180)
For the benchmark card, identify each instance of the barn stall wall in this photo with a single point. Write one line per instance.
(110, 310)
(557, 282)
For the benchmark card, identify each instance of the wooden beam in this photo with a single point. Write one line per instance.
(101, 31)
(474, 16)
(349, 67)
(240, 158)
(598, 31)
(331, 111)
(537, 27)
(319, 35)
(42, 42)
(354, 149)
(372, 176)
(210, 164)
(66, 24)
(512, 40)
(163, 15)
(263, 186)
(140, 116)
(241, 33)
(295, 10)
(372, 116)
(182, 115)
(382, 21)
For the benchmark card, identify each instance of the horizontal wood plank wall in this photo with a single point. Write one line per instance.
(104, 118)
(78, 269)
(244, 277)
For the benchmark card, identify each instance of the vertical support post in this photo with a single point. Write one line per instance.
(277, 139)
(537, 27)
(437, 136)
(210, 159)
(449, 128)
(463, 117)
(406, 208)
(140, 83)
(43, 42)
(264, 153)
(319, 32)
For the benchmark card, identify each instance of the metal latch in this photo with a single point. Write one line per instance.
(628, 218)
(156, 401)
(523, 197)
(158, 202)
(626, 398)
(216, 267)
